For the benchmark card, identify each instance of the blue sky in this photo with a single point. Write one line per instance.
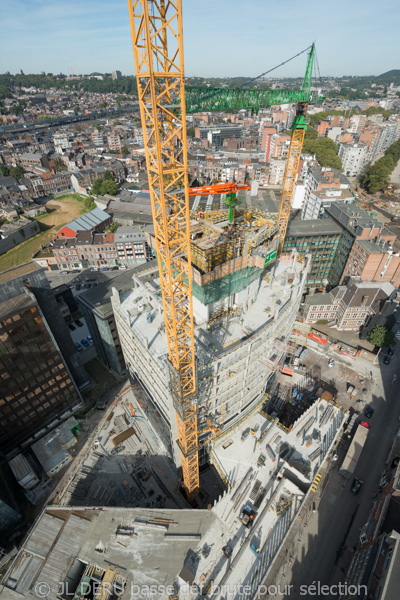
(221, 37)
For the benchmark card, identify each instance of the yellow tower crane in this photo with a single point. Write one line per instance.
(156, 28)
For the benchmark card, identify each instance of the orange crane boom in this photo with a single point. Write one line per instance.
(217, 188)
(222, 188)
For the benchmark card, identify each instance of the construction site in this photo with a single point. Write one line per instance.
(205, 335)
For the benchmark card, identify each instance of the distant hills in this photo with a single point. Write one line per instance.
(389, 74)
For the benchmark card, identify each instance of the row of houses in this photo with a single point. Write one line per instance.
(84, 243)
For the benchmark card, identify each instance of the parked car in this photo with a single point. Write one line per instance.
(104, 269)
(79, 323)
(387, 359)
(78, 346)
(391, 351)
(72, 327)
(89, 337)
(357, 483)
(369, 411)
(85, 343)
(78, 287)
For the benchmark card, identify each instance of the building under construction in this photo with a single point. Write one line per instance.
(244, 306)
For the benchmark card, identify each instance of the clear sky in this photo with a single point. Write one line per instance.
(221, 37)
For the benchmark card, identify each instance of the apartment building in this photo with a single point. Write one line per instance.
(131, 245)
(30, 160)
(277, 171)
(373, 260)
(54, 183)
(280, 145)
(319, 178)
(114, 141)
(354, 157)
(317, 203)
(96, 249)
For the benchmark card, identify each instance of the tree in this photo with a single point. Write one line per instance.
(381, 337)
(89, 203)
(97, 187)
(108, 176)
(109, 187)
(59, 165)
(191, 132)
(104, 186)
(10, 171)
(125, 150)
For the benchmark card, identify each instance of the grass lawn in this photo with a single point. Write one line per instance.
(62, 210)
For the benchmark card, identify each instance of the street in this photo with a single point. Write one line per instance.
(322, 549)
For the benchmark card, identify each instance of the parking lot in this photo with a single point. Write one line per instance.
(80, 334)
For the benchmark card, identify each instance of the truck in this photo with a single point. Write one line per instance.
(353, 454)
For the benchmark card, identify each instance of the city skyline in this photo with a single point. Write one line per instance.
(96, 37)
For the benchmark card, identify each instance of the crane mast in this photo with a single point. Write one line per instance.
(156, 28)
(299, 129)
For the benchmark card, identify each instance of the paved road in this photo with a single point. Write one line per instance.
(395, 176)
(322, 550)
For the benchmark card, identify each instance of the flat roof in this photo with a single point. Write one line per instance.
(150, 556)
(25, 269)
(298, 228)
(99, 298)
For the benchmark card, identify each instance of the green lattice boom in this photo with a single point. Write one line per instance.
(213, 99)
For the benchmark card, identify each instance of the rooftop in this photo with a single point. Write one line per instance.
(99, 298)
(272, 297)
(89, 220)
(314, 227)
(25, 269)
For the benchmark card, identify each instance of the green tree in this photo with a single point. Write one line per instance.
(191, 132)
(89, 203)
(96, 187)
(16, 172)
(109, 187)
(4, 170)
(125, 150)
(104, 186)
(108, 176)
(381, 337)
(59, 165)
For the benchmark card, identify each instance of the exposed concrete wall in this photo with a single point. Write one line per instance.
(24, 233)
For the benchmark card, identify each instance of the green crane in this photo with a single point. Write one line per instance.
(200, 99)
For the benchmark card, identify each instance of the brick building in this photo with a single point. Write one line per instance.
(373, 261)
(54, 183)
(95, 220)
(349, 307)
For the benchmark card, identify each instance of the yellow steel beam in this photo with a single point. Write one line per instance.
(289, 181)
(156, 27)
